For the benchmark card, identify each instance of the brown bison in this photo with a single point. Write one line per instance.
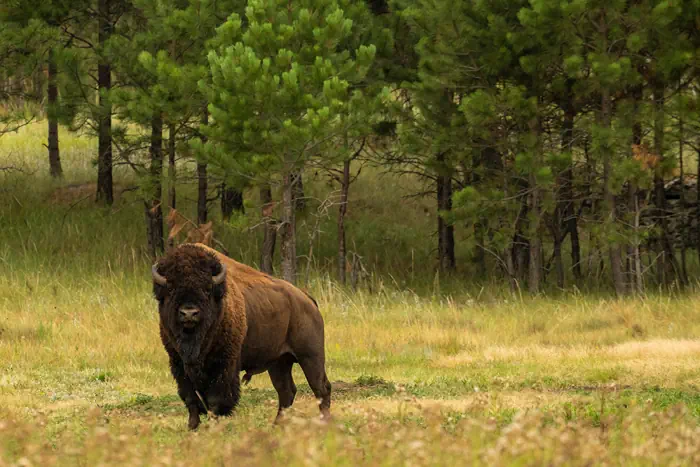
(219, 317)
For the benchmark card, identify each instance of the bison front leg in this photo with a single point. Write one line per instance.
(194, 406)
(224, 392)
(193, 420)
(187, 392)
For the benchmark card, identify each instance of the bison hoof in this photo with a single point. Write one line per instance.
(326, 416)
(193, 423)
(280, 418)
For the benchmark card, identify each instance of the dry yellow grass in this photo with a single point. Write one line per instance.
(479, 377)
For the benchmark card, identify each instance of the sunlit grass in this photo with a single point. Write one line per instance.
(425, 370)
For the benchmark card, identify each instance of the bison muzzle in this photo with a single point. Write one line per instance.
(219, 317)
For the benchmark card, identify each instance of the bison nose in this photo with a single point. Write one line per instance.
(189, 314)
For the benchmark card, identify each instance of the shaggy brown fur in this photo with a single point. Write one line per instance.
(251, 322)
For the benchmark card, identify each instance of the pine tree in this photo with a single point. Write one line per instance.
(665, 50)
(19, 42)
(177, 68)
(52, 16)
(277, 95)
(163, 61)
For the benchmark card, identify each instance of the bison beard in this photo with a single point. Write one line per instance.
(219, 317)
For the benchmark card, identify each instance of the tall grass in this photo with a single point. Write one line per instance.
(426, 370)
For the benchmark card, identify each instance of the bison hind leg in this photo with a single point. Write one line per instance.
(281, 376)
(315, 372)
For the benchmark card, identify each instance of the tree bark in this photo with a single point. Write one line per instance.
(535, 269)
(172, 170)
(480, 159)
(633, 259)
(54, 156)
(520, 250)
(153, 205)
(697, 199)
(342, 210)
(480, 253)
(535, 272)
(104, 84)
(289, 247)
(587, 188)
(231, 200)
(270, 233)
(667, 266)
(565, 221)
(202, 180)
(298, 191)
(682, 223)
(446, 242)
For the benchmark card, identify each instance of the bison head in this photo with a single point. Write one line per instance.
(189, 284)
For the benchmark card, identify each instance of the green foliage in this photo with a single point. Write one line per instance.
(527, 109)
(285, 87)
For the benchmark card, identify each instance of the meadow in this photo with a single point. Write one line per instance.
(425, 370)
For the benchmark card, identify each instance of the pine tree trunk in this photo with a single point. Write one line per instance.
(667, 263)
(480, 253)
(697, 200)
(202, 180)
(153, 205)
(633, 259)
(609, 198)
(638, 277)
(520, 250)
(104, 133)
(446, 242)
(535, 267)
(557, 240)
(480, 225)
(267, 253)
(587, 188)
(682, 223)
(52, 91)
(289, 247)
(231, 200)
(342, 210)
(575, 239)
(535, 272)
(172, 170)
(298, 191)
(565, 220)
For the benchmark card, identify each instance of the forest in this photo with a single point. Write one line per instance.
(495, 205)
(558, 141)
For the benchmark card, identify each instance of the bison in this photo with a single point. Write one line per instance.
(219, 317)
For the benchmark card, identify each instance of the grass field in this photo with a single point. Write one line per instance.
(434, 375)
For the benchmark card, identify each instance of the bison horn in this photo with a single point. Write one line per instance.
(157, 278)
(219, 278)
